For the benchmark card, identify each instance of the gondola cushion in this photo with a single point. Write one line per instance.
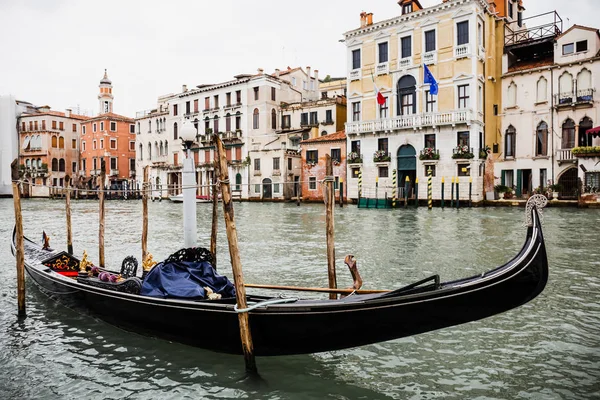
(185, 280)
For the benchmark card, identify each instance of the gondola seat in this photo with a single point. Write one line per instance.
(131, 285)
(129, 267)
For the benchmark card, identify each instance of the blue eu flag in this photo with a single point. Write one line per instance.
(428, 78)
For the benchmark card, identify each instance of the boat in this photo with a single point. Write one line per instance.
(289, 325)
(178, 198)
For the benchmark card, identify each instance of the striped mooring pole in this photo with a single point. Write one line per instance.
(394, 188)
(429, 193)
(406, 183)
(376, 188)
(442, 192)
(359, 184)
(457, 194)
(452, 194)
(417, 192)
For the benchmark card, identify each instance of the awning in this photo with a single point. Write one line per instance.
(594, 131)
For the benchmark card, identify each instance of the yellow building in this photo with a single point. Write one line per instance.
(411, 130)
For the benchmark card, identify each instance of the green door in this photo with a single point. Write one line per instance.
(407, 167)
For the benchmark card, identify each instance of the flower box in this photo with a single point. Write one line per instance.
(381, 156)
(429, 153)
(462, 152)
(586, 151)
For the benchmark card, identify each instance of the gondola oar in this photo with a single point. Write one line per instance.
(313, 289)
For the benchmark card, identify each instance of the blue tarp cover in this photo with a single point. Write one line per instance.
(185, 280)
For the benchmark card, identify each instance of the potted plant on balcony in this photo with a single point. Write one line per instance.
(354, 158)
(501, 190)
(429, 153)
(586, 151)
(555, 189)
(483, 153)
(462, 152)
(381, 156)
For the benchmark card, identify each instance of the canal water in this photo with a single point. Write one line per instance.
(547, 349)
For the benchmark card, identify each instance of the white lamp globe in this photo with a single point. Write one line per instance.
(187, 132)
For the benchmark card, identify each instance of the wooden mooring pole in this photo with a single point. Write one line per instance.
(329, 198)
(20, 247)
(236, 263)
(215, 221)
(145, 214)
(68, 210)
(101, 218)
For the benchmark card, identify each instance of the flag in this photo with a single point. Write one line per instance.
(378, 95)
(428, 78)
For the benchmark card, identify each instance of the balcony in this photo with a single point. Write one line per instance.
(114, 172)
(381, 156)
(327, 122)
(276, 172)
(382, 69)
(430, 57)
(586, 151)
(415, 121)
(404, 63)
(462, 51)
(355, 74)
(354, 158)
(575, 98)
(565, 156)
(462, 153)
(429, 153)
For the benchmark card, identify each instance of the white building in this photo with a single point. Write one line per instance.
(549, 103)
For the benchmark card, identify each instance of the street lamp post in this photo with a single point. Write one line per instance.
(188, 180)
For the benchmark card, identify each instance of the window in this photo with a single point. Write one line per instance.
(463, 96)
(509, 145)
(592, 180)
(228, 99)
(336, 155)
(407, 86)
(207, 103)
(257, 164)
(463, 139)
(382, 144)
(83, 146)
(238, 121)
(275, 187)
(429, 102)
(216, 124)
(289, 167)
(175, 111)
(355, 59)
(568, 49)
(196, 106)
(132, 128)
(61, 142)
(257, 188)
(273, 119)
(293, 81)
(383, 172)
(328, 117)
(430, 140)
(113, 144)
(383, 109)
(54, 142)
(355, 146)
(256, 93)
(543, 177)
(462, 33)
(356, 111)
(480, 41)
(286, 122)
(312, 156)
(512, 95)
(43, 125)
(568, 134)
(101, 143)
(430, 41)
(463, 169)
(74, 167)
(54, 164)
(312, 183)
(113, 126)
(175, 134)
(541, 143)
(131, 145)
(273, 94)
(406, 46)
(101, 126)
(74, 127)
(228, 122)
(238, 96)
(584, 125)
(113, 163)
(313, 118)
(82, 130)
(304, 119)
(407, 8)
(61, 126)
(255, 116)
(383, 52)
(519, 18)
(93, 126)
(354, 172)
(581, 46)
(510, 9)
(216, 97)
(73, 143)
(276, 163)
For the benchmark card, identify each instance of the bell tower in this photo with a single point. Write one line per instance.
(105, 97)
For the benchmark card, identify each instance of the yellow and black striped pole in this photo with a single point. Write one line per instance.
(359, 184)
(417, 191)
(452, 194)
(406, 183)
(429, 193)
(442, 192)
(394, 188)
(457, 194)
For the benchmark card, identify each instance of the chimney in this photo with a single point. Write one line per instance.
(363, 19)
(308, 73)
(68, 113)
(277, 72)
(317, 76)
(369, 19)
(184, 88)
(260, 71)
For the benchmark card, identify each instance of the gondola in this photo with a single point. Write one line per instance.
(285, 326)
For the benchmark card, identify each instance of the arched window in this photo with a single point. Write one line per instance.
(407, 97)
(509, 144)
(61, 142)
(216, 124)
(54, 141)
(238, 120)
(157, 126)
(175, 137)
(166, 148)
(141, 152)
(139, 128)
(568, 134)
(61, 165)
(27, 142)
(541, 141)
(39, 163)
(206, 125)
(161, 151)
(156, 149)
(149, 126)
(38, 142)
(238, 181)
(28, 163)
(565, 88)
(228, 122)
(542, 90)
(255, 119)
(54, 164)
(584, 85)
(323, 133)
(512, 95)
(584, 125)
(273, 119)
(149, 151)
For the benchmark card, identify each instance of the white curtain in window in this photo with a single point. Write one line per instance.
(542, 89)
(565, 83)
(584, 79)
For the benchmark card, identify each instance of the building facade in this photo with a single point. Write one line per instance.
(413, 130)
(550, 104)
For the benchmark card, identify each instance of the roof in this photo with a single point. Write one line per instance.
(587, 28)
(56, 114)
(111, 115)
(287, 71)
(531, 64)
(334, 137)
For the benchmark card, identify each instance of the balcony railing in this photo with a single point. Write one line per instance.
(462, 51)
(414, 121)
(430, 58)
(382, 69)
(565, 156)
(355, 74)
(381, 156)
(354, 158)
(573, 98)
(405, 62)
(114, 172)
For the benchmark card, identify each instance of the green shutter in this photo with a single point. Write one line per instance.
(519, 182)
(503, 178)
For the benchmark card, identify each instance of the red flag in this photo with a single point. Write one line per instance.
(380, 98)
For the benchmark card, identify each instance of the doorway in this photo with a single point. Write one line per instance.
(267, 189)
(407, 168)
(568, 180)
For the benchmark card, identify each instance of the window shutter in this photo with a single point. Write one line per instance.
(503, 178)
(519, 182)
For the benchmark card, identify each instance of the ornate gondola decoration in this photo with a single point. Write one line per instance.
(297, 326)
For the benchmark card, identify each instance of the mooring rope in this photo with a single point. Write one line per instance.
(265, 303)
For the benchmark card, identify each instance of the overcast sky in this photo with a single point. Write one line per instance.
(55, 51)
